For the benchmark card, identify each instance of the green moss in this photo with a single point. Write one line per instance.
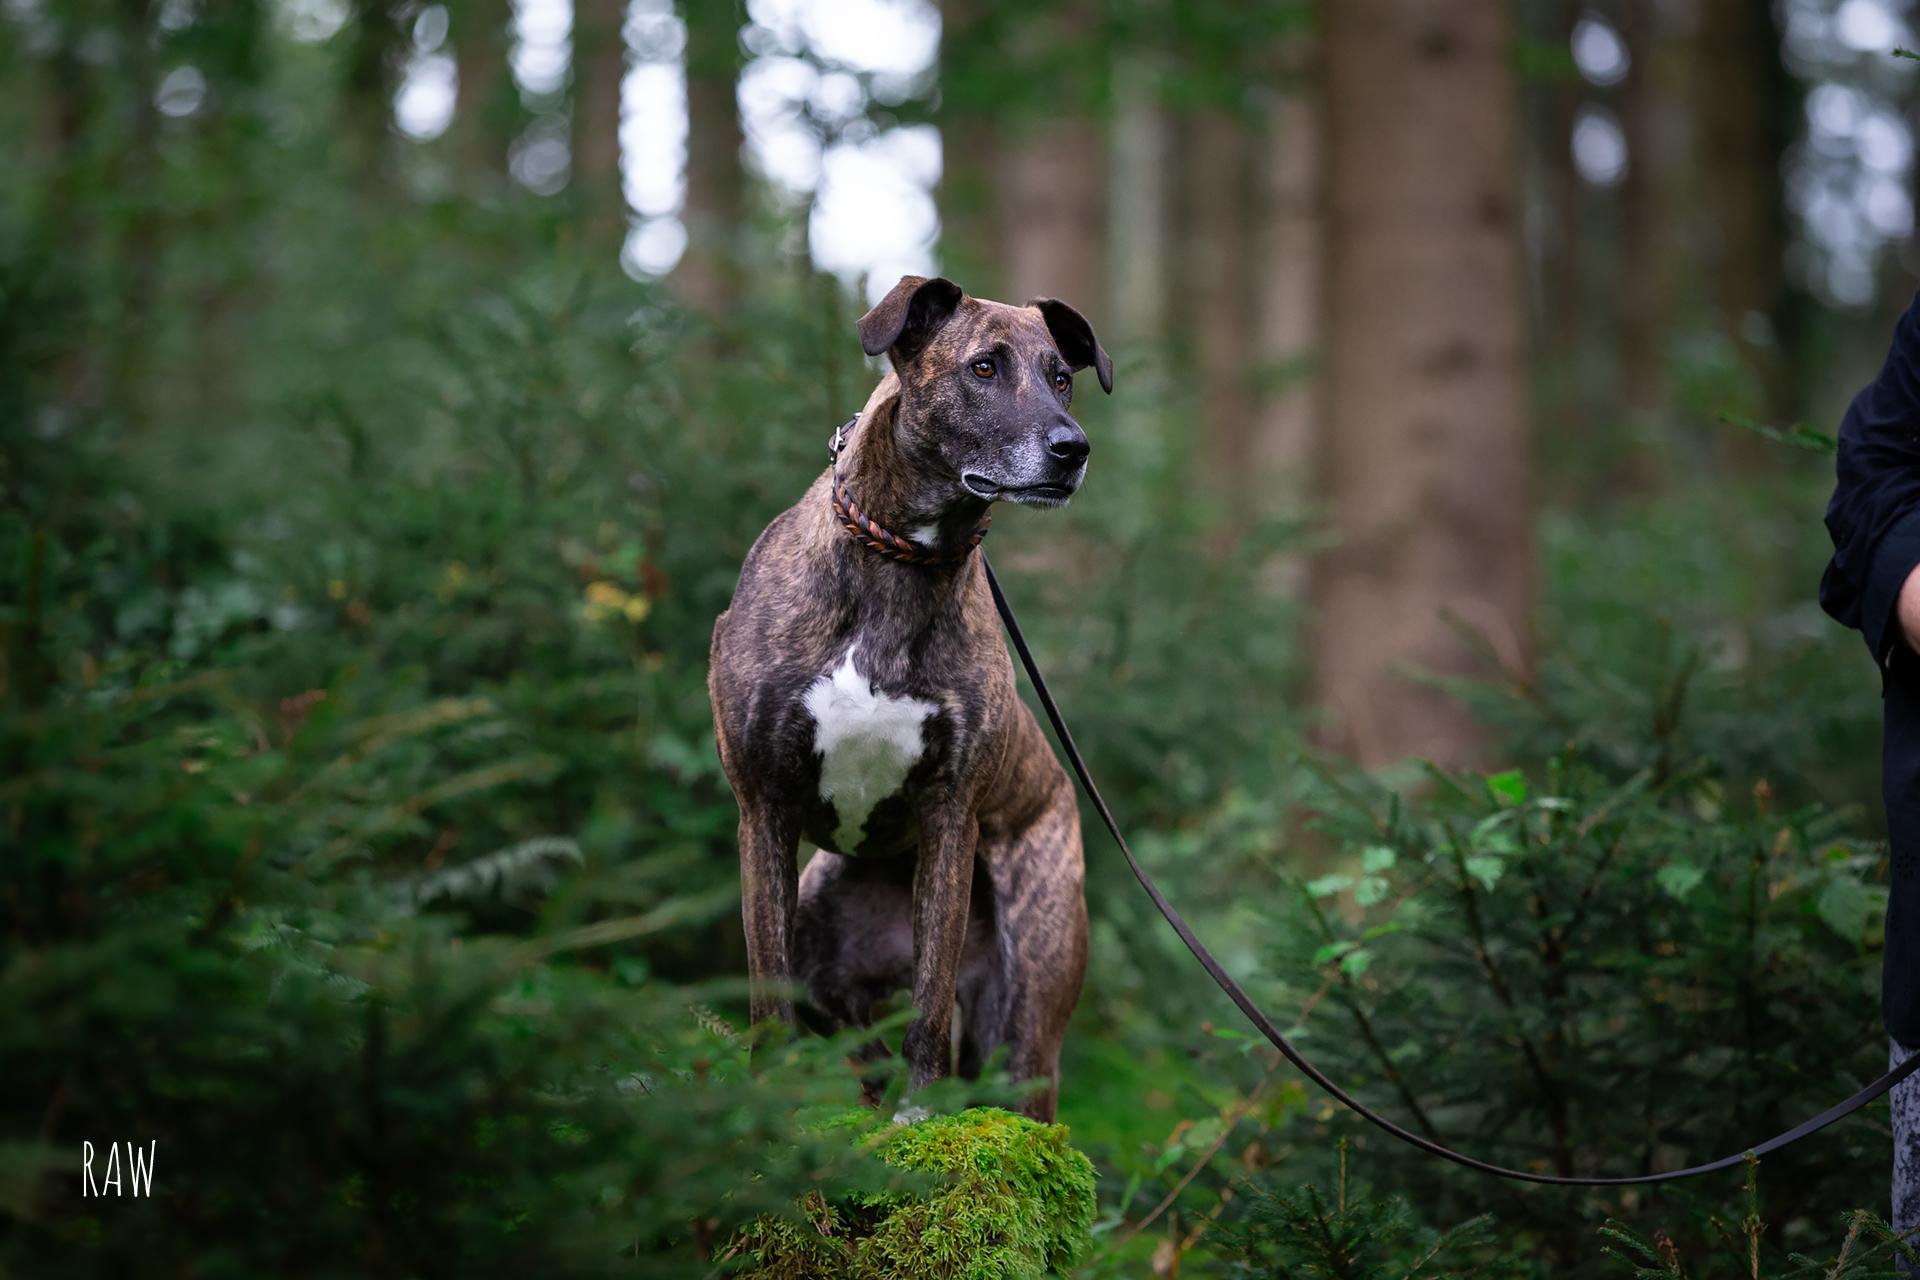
(815, 1244)
(1010, 1200)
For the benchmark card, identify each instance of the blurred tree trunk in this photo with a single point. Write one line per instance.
(1250, 292)
(69, 111)
(67, 223)
(1427, 449)
(136, 169)
(1216, 279)
(1052, 200)
(600, 64)
(1050, 187)
(1574, 400)
(236, 70)
(708, 277)
(374, 41)
(1647, 225)
(1287, 298)
(1140, 228)
(1742, 92)
(484, 107)
(969, 152)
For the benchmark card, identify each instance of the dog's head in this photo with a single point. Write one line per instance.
(986, 389)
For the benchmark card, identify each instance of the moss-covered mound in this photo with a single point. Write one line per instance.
(1011, 1200)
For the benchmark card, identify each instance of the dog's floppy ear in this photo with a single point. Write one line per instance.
(1074, 336)
(907, 318)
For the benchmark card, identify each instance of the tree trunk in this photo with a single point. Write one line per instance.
(1646, 227)
(484, 110)
(1427, 457)
(599, 65)
(708, 277)
(1217, 315)
(135, 169)
(1574, 400)
(969, 154)
(372, 68)
(1139, 214)
(1286, 304)
(66, 219)
(1052, 197)
(1050, 189)
(220, 294)
(1742, 88)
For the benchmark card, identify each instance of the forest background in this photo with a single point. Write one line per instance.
(389, 392)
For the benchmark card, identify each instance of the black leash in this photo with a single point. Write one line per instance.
(1234, 992)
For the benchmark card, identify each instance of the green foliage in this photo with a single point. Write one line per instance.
(1655, 971)
(365, 848)
(365, 845)
(1868, 1250)
(1010, 1200)
(1626, 957)
(339, 1080)
(1301, 1231)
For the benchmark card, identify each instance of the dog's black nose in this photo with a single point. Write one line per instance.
(1068, 443)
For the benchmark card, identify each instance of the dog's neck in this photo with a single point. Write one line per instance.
(909, 495)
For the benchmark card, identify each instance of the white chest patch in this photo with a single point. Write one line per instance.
(867, 743)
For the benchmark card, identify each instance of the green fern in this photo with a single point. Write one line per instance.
(525, 870)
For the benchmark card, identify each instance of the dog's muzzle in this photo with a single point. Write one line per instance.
(1066, 457)
(1051, 493)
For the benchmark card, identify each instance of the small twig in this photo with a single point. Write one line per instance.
(1238, 1112)
(1336, 1256)
(1367, 1033)
(1666, 716)
(1343, 1175)
(1556, 1107)
(1750, 1225)
(1325, 771)
(1795, 435)
(1206, 1157)
(1626, 792)
(1839, 1267)
(1593, 883)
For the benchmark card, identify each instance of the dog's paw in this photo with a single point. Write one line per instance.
(910, 1114)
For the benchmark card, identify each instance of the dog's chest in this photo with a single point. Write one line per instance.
(867, 741)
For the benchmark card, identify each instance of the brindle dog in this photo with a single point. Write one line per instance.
(867, 706)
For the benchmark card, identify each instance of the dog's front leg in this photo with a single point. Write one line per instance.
(942, 883)
(769, 887)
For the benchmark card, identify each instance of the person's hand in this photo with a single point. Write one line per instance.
(1908, 610)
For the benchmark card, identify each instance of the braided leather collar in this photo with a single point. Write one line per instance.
(877, 538)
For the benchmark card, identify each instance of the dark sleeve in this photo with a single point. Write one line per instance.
(1874, 516)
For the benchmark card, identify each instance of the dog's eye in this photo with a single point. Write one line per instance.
(983, 368)
(1061, 382)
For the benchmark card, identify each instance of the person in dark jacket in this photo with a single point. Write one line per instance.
(1873, 585)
